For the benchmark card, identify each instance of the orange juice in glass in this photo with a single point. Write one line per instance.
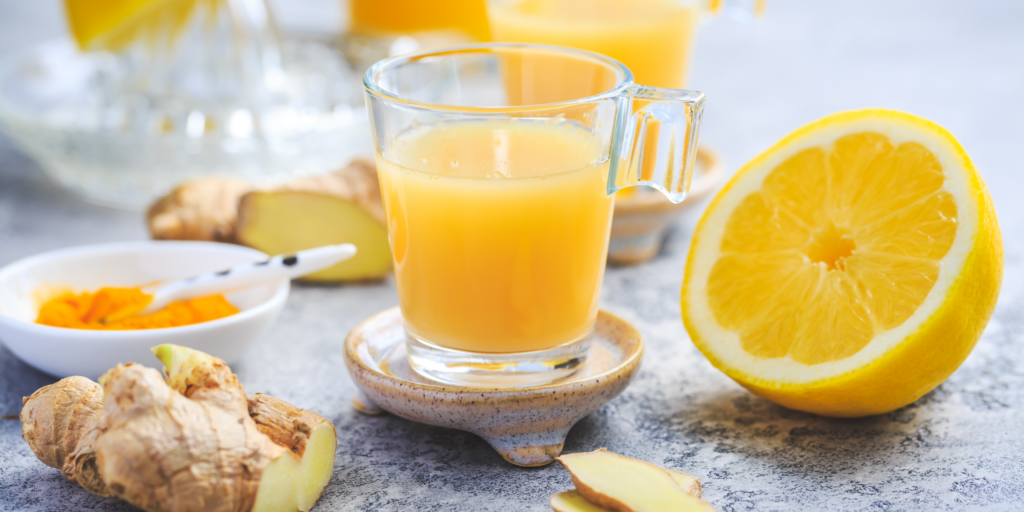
(511, 252)
(498, 165)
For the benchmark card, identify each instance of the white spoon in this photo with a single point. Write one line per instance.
(241, 276)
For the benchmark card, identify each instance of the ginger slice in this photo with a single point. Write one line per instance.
(687, 482)
(291, 483)
(342, 207)
(572, 501)
(307, 434)
(622, 484)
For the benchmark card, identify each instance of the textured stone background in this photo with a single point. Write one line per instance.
(961, 447)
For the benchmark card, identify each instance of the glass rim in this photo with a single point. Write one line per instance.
(372, 87)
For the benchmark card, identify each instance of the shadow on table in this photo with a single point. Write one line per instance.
(387, 459)
(405, 444)
(737, 422)
(18, 380)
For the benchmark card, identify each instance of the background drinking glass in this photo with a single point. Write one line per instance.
(380, 28)
(498, 165)
(653, 38)
(411, 16)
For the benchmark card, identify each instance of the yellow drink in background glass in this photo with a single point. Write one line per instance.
(653, 38)
(412, 16)
(499, 231)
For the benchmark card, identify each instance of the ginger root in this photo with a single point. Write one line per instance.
(608, 481)
(184, 443)
(341, 207)
(201, 209)
(58, 421)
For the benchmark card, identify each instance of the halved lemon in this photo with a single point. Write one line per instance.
(849, 269)
(113, 24)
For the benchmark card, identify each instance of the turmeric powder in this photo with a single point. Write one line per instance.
(89, 310)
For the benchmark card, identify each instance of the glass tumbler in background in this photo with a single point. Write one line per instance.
(498, 165)
(653, 38)
(412, 16)
(380, 28)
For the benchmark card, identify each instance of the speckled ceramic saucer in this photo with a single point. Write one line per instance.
(527, 426)
(642, 219)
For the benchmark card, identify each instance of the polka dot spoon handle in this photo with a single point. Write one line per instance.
(286, 266)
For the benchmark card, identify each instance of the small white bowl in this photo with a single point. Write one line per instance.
(64, 352)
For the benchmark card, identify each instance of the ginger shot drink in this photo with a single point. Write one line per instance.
(499, 231)
(498, 167)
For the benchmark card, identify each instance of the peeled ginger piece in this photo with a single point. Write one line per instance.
(337, 208)
(608, 481)
(572, 501)
(687, 482)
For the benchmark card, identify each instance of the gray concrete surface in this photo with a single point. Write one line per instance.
(961, 447)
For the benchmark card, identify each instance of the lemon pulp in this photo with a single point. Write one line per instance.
(838, 245)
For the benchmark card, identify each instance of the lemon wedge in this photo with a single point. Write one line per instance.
(113, 24)
(849, 269)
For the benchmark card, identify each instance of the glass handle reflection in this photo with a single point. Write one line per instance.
(658, 142)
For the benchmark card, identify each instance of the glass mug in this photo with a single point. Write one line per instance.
(498, 168)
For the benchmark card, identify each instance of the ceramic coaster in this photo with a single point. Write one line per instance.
(527, 426)
(642, 219)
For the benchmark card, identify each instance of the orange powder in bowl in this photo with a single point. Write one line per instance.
(115, 309)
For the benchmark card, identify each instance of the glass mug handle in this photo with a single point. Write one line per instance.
(656, 144)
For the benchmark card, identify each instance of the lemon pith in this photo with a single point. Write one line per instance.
(849, 269)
